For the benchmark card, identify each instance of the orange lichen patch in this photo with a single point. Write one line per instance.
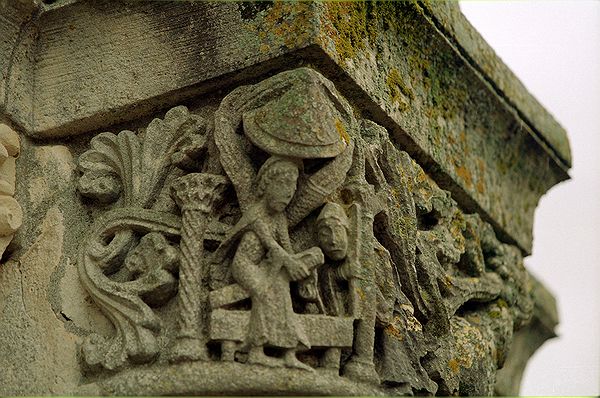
(480, 186)
(464, 145)
(424, 185)
(465, 175)
(454, 365)
(391, 329)
(480, 179)
(342, 131)
(264, 48)
(360, 293)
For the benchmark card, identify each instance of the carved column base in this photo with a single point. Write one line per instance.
(187, 349)
(363, 371)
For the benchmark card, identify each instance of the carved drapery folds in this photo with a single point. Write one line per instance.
(11, 214)
(285, 233)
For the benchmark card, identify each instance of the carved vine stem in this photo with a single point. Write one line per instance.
(195, 194)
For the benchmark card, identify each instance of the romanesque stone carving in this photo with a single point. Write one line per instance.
(11, 214)
(284, 234)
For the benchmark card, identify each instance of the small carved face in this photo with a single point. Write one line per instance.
(333, 239)
(280, 188)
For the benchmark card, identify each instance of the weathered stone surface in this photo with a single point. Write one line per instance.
(45, 310)
(18, 34)
(322, 331)
(225, 379)
(334, 209)
(443, 108)
(528, 339)
(94, 68)
(447, 15)
(39, 355)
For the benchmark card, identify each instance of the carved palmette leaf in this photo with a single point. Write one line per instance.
(109, 167)
(134, 165)
(159, 143)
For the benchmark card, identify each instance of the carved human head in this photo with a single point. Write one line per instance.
(276, 182)
(332, 231)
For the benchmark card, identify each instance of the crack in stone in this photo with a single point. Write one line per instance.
(65, 317)
(23, 292)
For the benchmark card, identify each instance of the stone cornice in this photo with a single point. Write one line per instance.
(76, 66)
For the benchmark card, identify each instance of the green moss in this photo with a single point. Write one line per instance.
(502, 303)
(278, 23)
(350, 22)
(399, 91)
(359, 23)
(356, 26)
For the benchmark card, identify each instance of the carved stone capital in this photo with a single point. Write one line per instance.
(336, 209)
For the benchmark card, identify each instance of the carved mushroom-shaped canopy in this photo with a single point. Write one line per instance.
(303, 123)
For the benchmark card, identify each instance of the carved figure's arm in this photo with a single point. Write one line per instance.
(296, 268)
(266, 237)
(344, 272)
(284, 234)
(248, 254)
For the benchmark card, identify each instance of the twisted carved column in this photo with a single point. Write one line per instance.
(195, 194)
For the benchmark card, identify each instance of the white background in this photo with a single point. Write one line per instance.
(554, 48)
